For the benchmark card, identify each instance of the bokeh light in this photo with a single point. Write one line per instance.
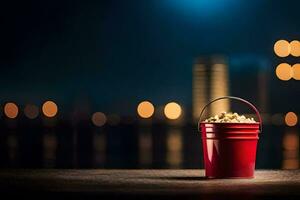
(11, 110)
(291, 119)
(99, 119)
(284, 71)
(282, 48)
(172, 110)
(295, 48)
(145, 109)
(296, 71)
(49, 109)
(31, 111)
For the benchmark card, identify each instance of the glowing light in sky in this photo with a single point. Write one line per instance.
(295, 48)
(49, 109)
(284, 71)
(145, 109)
(99, 119)
(296, 71)
(11, 110)
(172, 110)
(282, 48)
(291, 119)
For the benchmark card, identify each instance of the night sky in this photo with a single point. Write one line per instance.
(114, 54)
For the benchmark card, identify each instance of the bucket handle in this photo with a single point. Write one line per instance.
(235, 98)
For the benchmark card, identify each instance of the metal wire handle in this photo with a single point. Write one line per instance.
(236, 98)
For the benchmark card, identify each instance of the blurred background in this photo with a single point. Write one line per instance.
(120, 84)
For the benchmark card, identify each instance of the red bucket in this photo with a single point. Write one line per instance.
(229, 149)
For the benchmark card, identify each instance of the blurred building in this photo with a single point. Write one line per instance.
(210, 80)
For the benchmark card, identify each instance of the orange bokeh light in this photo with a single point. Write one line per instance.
(99, 119)
(282, 48)
(295, 48)
(145, 109)
(284, 71)
(49, 109)
(291, 119)
(172, 110)
(296, 71)
(11, 110)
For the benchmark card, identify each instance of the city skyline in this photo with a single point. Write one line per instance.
(116, 56)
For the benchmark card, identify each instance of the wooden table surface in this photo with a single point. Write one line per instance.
(148, 183)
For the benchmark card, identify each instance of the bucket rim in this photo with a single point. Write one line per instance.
(243, 123)
(231, 138)
(230, 125)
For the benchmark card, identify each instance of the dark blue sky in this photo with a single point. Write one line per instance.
(117, 53)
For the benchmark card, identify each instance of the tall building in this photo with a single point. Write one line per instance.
(210, 81)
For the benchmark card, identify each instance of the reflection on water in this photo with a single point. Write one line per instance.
(49, 146)
(12, 145)
(131, 146)
(99, 149)
(174, 148)
(145, 148)
(290, 150)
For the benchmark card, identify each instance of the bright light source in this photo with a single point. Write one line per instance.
(49, 109)
(11, 110)
(282, 48)
(295, 48)
(31, 111)
(99, 119)
(291, 119)
(296, 71)
(145, 109)
(284, 71)
(172, 110)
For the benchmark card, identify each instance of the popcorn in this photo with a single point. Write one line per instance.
(230, 118)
